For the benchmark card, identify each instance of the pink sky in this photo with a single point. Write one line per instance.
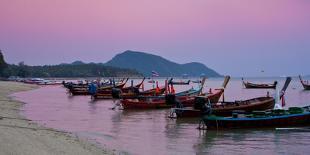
(210, 31)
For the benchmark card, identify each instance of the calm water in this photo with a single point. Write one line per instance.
(151, 132)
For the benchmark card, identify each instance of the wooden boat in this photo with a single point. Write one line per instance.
(250, 85)
(34, 80)
(158, 102)
(196, 81)
(83, 89)
(171, 82)
(184, 98)
(127, 89)
(260, 119)
(48, 82)
(293, 117)
(226, 108)
(305, 84)
(78, 91)
(118, 92)
(211, 96)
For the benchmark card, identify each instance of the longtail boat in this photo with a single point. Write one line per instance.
(84, 88)
(293, 117)
(171, 82)
(196, 81)
(183, 99)
(49, 82)
(305, 84)
(274, 118)
(159, 102)
(77, 89)
(250, 85)
(33, 80)
(225, 108)
(118, 92)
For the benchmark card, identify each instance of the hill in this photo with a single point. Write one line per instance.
(146, 63)
(75, 69)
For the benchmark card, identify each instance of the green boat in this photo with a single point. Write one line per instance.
(279, 118)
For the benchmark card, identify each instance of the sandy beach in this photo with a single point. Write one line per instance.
(19, 135)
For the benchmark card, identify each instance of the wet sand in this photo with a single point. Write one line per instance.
(19, 135)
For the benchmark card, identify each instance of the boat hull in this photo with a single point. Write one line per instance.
(305, 84)
(226, 108)
(293, 120)
(159, 102)
(259, 86)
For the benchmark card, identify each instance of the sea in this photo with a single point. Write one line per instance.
(136, 132)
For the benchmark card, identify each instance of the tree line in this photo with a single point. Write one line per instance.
(63, 70)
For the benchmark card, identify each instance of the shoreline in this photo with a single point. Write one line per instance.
(19, 135)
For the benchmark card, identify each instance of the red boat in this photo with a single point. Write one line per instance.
(184, 99)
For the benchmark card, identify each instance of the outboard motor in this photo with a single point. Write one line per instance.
(170, 99)
(116, 93)
(200, 104)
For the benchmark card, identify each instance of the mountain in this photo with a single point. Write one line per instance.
(146, 63)
(77, 63)
(74, 69)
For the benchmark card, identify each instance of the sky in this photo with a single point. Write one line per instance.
(234, 37)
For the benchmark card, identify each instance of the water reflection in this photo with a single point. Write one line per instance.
(252, 142)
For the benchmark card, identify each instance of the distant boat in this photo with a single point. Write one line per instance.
(305, 84)
(34, 80)
(196, 81)
(250, 85)
(178, 82)
(49, 82)
(184, 76)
